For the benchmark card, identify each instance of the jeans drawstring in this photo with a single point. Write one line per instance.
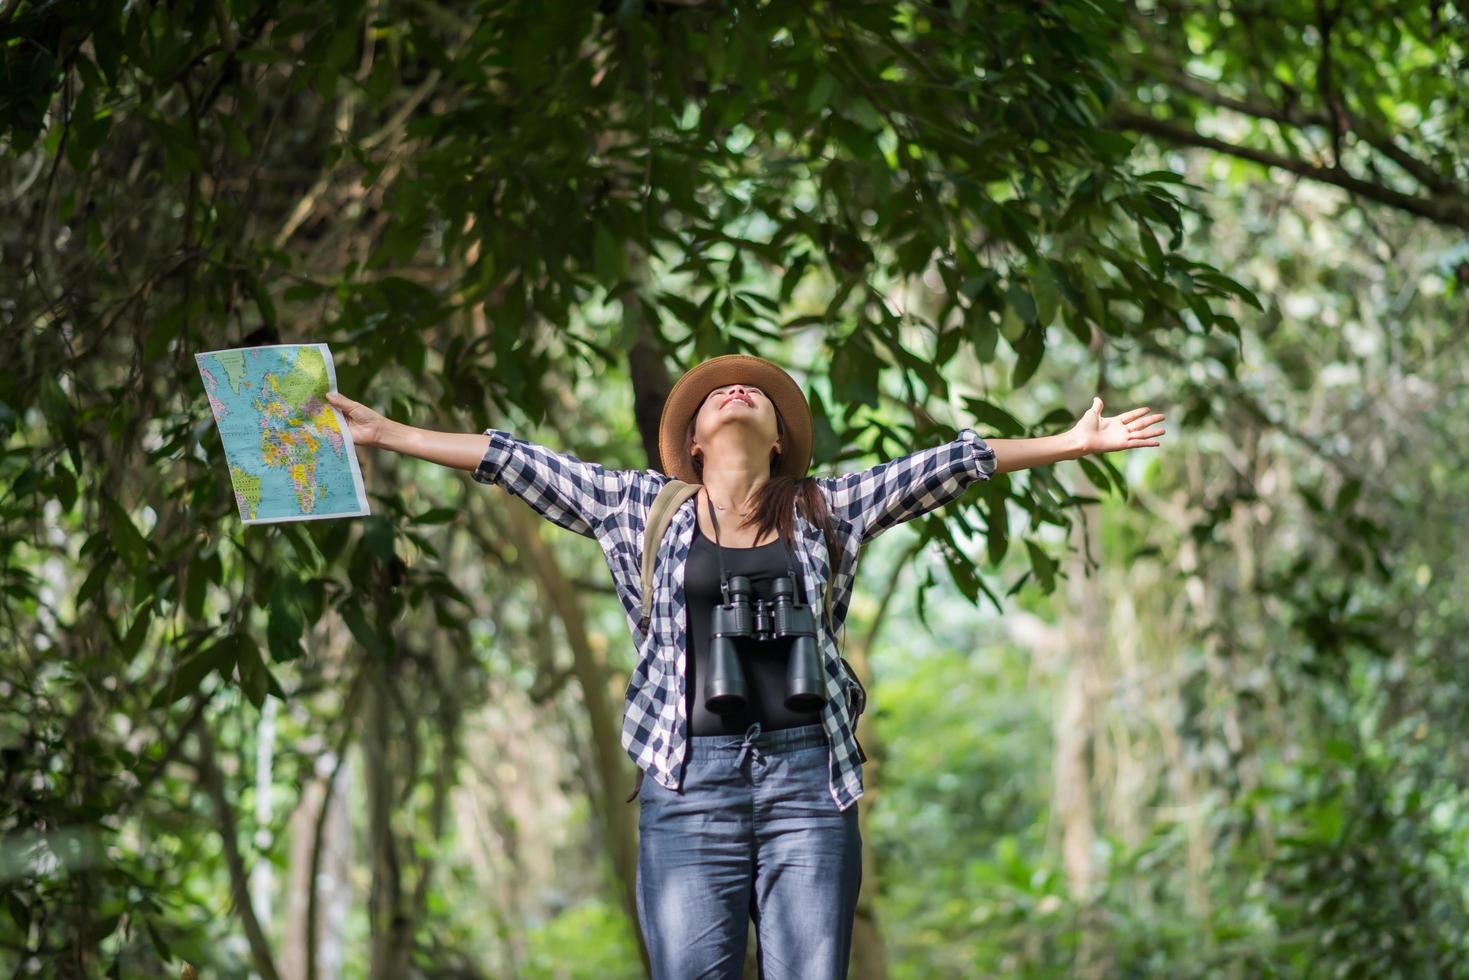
(747, 744)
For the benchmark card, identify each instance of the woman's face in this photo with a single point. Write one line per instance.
(736, 404)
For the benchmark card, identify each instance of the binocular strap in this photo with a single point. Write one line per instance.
(719, 550)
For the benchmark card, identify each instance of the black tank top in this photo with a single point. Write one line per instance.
(764, 664)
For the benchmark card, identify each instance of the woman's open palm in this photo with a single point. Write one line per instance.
(364, 425)
(1109, 433)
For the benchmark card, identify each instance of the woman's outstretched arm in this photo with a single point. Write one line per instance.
(460, 450)
(567, 491)
(1093, 433)
(887, 494)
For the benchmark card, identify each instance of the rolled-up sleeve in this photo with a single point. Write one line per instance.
(887, 494)
(567, 491)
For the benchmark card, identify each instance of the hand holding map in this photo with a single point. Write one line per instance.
(290, 452)
(364, 426)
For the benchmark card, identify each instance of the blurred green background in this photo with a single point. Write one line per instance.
(1187, 711)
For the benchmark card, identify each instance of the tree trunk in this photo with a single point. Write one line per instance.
(616, 816)
(869, 953)
(213, 782)
(387, 954)
(1075, 744)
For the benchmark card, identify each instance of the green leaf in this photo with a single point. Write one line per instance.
(361, 631)
(1021, 302)
(792, 275)
(165, 328)
(997, 533)
(854, 370)
(255, 676)
(995, 417)
(300, 543)
(63, 484)
(20, 912)
(1043, 564)
(1077, 324)
(825, 443)
(56, 407)
(1328, 819)
(86, 137)
(1029, 350)
(136, 633)
(684, 310)
(442, 586)
(186, 679)
(25, 483)
(1043, 284)
(984, 336)
(284, 629)
(130, 545)
(180, 149)
(818, 96)
(607, 258)
(156, 938)
(1097, 474)
(195, 587)
(377, 535)
(1151, 251)
(92, 586)
(1224, 284)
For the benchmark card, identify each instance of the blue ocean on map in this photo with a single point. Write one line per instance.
(290, 456)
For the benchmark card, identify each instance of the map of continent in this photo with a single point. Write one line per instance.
(290, 455)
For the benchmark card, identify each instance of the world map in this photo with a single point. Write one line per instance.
(290, 455)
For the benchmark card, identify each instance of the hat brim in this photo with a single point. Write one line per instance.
(689, 392)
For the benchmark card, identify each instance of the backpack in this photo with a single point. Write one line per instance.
(670, 496)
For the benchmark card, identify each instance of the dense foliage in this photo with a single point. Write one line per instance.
(1209, 721)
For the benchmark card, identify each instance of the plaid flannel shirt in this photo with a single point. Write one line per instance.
(611, 507)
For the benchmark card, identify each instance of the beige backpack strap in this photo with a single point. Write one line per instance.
(670, 496)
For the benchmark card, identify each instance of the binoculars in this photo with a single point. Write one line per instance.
(779, 620)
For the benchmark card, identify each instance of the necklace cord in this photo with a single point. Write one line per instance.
(796, 582)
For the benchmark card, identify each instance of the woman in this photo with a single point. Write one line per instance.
(749, 812)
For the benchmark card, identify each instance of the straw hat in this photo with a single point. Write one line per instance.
(689, 392)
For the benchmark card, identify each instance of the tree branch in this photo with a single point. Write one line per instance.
(213, 782)
(1453, 213)
(1325, 22)
(318, 830)
(1336, 117)
(171, 751)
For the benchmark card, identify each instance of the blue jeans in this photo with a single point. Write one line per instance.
(755, 834)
